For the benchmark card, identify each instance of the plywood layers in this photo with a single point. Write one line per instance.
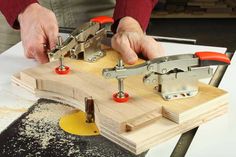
(158, 132)
(141, 116)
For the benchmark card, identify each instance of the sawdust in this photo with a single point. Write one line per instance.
(42, 124)
(37, 133)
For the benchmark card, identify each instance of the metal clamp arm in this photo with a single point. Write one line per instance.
(61, 51)
(160, 65)
(123, 72)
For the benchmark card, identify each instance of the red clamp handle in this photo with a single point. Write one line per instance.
(212, 58)
(102, 19)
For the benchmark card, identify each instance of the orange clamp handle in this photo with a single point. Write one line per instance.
(102, 19)
(212, 58)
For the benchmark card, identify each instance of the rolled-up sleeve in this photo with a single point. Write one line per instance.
(12, 8)
(138, 9)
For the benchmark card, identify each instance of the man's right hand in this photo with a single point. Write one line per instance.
(39, 31)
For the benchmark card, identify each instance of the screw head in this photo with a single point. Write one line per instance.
(164, 70)
(167, 97)
(147, 81)
(190, 94)
(154, 81)
(108, 75)
(150, 67)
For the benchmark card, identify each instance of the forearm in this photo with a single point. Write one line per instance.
(12, 8)
(140, 10)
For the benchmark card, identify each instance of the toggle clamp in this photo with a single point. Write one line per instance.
(173, 76)
(84, 42)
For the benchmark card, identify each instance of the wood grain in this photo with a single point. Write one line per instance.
(148, 118)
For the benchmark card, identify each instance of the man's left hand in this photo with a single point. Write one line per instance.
(130, 41)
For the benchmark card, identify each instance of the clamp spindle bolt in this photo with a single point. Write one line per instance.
(121, 96)
(61, 69)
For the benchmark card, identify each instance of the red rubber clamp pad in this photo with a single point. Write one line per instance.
(120, 100)
(102, 19)
(213, 56)
(62, 72)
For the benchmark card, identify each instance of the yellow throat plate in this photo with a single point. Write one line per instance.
(75, 123)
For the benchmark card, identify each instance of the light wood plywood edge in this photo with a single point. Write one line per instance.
(146, 137)
(162, 130)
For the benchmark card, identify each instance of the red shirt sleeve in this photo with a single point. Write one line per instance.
(138, 9)
(12, 8)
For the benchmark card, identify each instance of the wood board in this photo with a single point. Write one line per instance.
(153, 120)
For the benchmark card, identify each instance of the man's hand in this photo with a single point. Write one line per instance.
(130, 41)
(39, 31)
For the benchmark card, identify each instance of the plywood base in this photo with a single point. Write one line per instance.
(150, 120)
